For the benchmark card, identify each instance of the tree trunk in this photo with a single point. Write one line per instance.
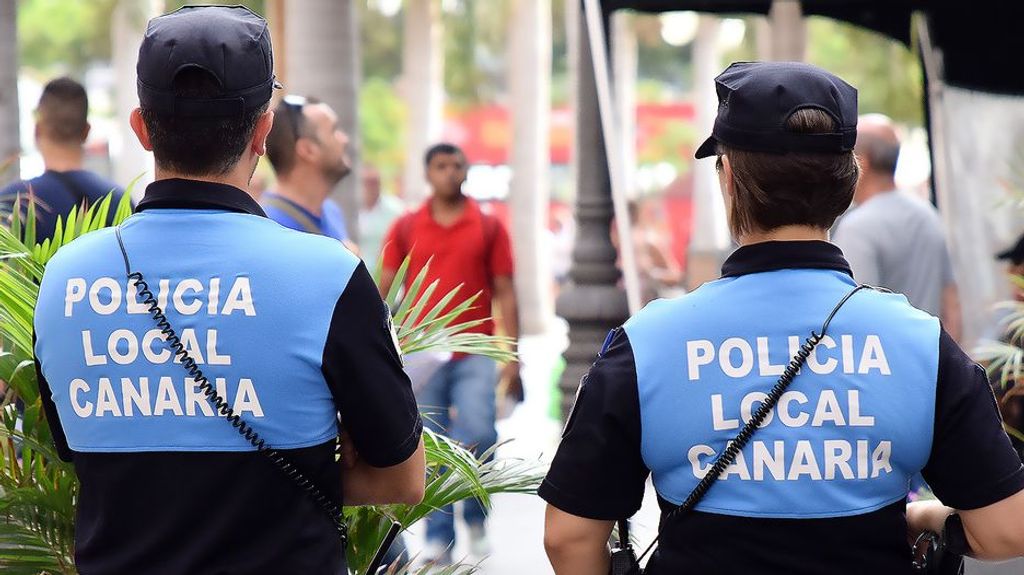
(322, 38)
(530, 87)
(624, 74)
(422, 88)
(10, 143)
(788, 31)
(127, 26)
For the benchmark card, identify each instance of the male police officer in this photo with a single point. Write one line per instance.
(885, 394)
(287, 327)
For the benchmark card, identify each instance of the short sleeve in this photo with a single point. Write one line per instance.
(972, 463)
(391, 250)
(60, 441)
(501, 262)
(859, 250)
(598, 471)
(363, 368)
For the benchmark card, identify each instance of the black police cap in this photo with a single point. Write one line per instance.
(755, 99)
(230, 42)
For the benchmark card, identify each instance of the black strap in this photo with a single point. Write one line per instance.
(293, 211)
(77, 192)
(333, 511)
(727, 457)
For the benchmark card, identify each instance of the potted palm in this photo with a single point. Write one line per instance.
(38, 491)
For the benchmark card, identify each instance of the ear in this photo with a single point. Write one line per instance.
(864, 162)
(307, 150)
(728, 184)
(140, 129)
(85, 132)
(259, 135)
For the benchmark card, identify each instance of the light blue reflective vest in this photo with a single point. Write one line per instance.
(252, 302)
(845, 439)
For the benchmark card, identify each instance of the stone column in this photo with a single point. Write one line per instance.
(10, 144)
(322, 60)
(593, 303)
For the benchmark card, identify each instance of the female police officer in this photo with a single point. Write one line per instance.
(883, 394)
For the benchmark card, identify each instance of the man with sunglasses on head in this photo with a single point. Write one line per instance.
(308, 151)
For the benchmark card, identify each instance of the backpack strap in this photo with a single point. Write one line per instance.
(403, 235)
(490, 224)
(294, 213)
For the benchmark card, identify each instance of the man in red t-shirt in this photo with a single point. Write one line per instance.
(467, 247)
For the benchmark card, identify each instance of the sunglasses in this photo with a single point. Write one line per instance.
(294, 105)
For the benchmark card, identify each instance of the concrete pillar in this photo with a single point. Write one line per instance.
(593, 303)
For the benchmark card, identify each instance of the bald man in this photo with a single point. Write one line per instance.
(893, 238)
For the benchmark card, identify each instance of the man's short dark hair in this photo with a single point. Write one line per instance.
(63, 111)
(289, 125)
(775, 190)
(199, 146)
(442, 149)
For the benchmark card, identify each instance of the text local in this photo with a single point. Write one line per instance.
(821, 459)
(145, 396)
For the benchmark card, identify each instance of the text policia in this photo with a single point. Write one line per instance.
(166, 395)
(815, 456)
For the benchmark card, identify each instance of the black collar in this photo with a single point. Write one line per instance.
(771, 256)
(198, 195)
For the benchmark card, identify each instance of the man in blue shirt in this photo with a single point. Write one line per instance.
(307, 149)
(61, 130)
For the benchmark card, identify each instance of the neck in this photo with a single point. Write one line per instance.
(784, 234)
(871, 186)
(238, 178)
(447, 203)
(305, 189)
(61, 158)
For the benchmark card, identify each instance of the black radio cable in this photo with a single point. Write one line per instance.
(221, 406)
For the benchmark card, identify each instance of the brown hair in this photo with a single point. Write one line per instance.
(775, 190)
(289, 122)
(63, 110)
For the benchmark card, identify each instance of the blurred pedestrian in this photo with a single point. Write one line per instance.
(378, 212)
(466, 247)
(892, 238)
(62, 126)
(309, 153)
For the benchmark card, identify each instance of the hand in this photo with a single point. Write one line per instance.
(925, 516)
(512, 381)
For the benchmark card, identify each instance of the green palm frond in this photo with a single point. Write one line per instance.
(453, 474)
(437, 327)
(37, 491)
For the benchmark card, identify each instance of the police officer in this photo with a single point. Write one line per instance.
(285, 328)
(820, 487)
